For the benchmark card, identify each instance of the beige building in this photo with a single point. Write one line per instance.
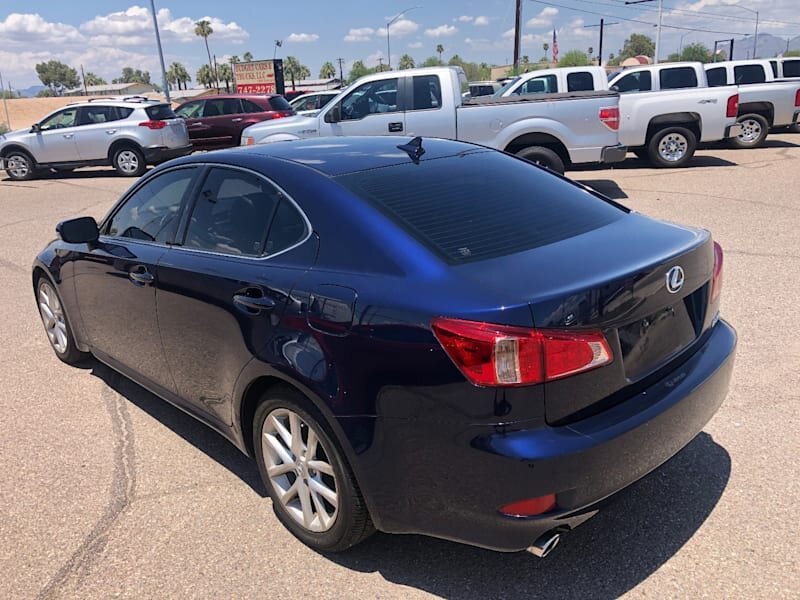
(112, 89)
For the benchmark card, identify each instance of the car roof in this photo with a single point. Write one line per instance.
(333, 156)
(121, 101)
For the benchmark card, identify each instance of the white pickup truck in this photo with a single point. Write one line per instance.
(764, 101)
(659, 120)
(555, 130)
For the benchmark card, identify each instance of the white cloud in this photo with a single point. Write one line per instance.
(465, 19)
(481, 21)
(543, 19)
(399, 28)
(302, 38)
(31, 30)
(359, 34)
(374, 59)
(441, 31)
(415, 45)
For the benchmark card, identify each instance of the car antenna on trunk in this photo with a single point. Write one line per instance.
(414, 149)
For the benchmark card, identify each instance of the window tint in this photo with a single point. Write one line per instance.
(774, 65)
(427, 92)
(744, 74)
(103, 114)
(451, 205)
(64, 118)
(546, 84)
(791, 68)
(371, 98)
(232, 213)
(222, 106)
(309, 103)
(153, 211)
(190, 110)
(717, 76)
(581, 81)
(248, 106)
(160, 112)
(279, 103)
(677, 78)
(635, 82)
(287, 228)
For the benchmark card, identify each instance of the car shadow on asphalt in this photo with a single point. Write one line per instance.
(607, 187)
(633, 162)
(770, 143)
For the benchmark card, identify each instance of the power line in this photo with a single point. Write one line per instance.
(621, 4)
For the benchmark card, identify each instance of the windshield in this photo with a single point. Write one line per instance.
(507, 86)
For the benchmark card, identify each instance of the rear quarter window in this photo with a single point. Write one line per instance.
(480, 204)
(160, 112)
(580, 82)
(677, 78)
(744, 74)
(717, 77)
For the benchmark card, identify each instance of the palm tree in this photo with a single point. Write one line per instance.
(328, 71)
(545, 47)
(247, 56)
(203, 29)
(225, 74)
(295, 71)
(235, 59)
(205, 76)
(183, 76)
(439, 51)
(92, 79)
(406, 62)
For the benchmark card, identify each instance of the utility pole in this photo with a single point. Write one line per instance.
(5, 96)
(517, 35)
(600, 48)
(83, 77)
(660, 17)
(164, 81)
(341, 73)
(380, 63)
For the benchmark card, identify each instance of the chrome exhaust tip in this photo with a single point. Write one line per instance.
(544, 544)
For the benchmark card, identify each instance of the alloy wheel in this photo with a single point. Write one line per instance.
(128, 161)
(300, 470)
(18, 166)
(751, 131)
(53, 317)
(673, 147)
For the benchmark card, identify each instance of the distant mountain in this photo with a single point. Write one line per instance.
(768, 46)
(31, 91)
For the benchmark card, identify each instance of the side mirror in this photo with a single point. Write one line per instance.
(334, 115)
(82, 230)
(36, 128)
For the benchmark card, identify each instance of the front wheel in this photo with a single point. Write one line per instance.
(20, 166)
(56, 324)
(543, 157)
(672, 147)
(755, 129)
(129, 161)
(314, 494)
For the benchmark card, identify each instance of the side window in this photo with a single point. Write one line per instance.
(251, 107)
(677, 78)
(287, 228)
(791, 68)
(581, 81)
(717, 77)
(635, 82)
(222, 106)
(774, 65)
(233, 213)
(371, 98)
(190, 110)
(309, 103)
(153, 211)
(63, 118)
(546, 84)
(91, 115)
(427, 92)
(744, 74)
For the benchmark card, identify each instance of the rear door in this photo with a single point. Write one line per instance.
(217, 128)
(99, 125)
(425, 114)
(372, 108)
(225, 285)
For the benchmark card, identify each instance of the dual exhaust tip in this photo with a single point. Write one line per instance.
(545, 544)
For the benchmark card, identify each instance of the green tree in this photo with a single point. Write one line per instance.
(328, 71)
(636, 45)
(178, 75)
(358, 70)
(205, 76)
(295, 70)
(473, 71)
(131, 75)
(247, 57)
(57, 76)
(9, 94)
(406, 62)
(697, 52)
(45, 93)
(235, 59)
(439, 51)
(431, 61)
(791, 53)
(225, 73)
(203, 29)
(574, 58)
(92, 79)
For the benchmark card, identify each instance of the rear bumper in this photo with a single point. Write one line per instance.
(448, 481)
(161, 153)
(614, 154)
(733, 130)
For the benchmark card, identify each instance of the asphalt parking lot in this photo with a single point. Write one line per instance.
(107, 491)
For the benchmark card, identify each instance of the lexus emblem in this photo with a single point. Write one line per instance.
(675, 277)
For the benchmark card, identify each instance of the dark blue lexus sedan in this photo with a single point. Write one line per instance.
(407, 335)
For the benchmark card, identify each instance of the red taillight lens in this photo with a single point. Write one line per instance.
(716, 277)
(610, 117)
(153, 124)
(797, 98)
(733, 107)
(499, 355)
(279, 115)
(530, 507)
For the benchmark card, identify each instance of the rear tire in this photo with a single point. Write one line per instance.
(314, 493)
(20, 166)
(756, 129)
(544, 157)
(129, 161)
(671, 148)
(56, 322)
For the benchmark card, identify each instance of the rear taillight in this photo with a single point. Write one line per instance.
(797, 98)
(716, 277)
(733, 107)
(530, 507)
(610, 117)
(153, 124)
(499, 355)
(278, 115)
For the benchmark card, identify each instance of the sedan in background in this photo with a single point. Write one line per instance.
(310, 104)
(217, 121)
(399, 346)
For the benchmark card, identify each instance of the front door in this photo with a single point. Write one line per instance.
(370, 109)
(117, 278)
(55, 140)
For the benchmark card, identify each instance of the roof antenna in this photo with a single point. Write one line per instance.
(414, 149)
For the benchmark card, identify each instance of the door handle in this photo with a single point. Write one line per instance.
(236, 120)
(196, 124)
(395, 127)
(111, 131)
(141, 277)
(68, 136)
(253, 305)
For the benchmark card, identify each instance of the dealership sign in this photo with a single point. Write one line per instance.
(259, 77)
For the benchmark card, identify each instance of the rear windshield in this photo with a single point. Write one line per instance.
(159, 112)
(480, 204)
(279, 103)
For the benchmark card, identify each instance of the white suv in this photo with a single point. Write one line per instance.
(127, 133)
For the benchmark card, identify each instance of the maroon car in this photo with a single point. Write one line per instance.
(217, 121)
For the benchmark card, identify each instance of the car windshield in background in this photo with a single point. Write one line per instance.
(279, 103)
(160, 112)
(503, 89)
(481, 204)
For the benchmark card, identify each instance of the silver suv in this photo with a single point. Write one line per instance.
(127, 133)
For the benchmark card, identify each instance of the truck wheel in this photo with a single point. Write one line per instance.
(544, 157)
(20, 165)
(754, 134)
(671, 147)
(129, 161)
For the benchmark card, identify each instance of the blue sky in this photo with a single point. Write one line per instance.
(106, 35)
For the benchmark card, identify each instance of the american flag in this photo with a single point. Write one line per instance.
(555, 47)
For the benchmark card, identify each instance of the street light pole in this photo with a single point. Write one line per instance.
(391, 22)
(601, 25)
(164, 81)
(680, 47)
(658, 31)
(755, 37)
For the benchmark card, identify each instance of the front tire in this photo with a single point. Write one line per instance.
(56, 323)
(671, 148)
(754, 134)
(543, 157)
(129, 161)
(20, 166)
(313, 491)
